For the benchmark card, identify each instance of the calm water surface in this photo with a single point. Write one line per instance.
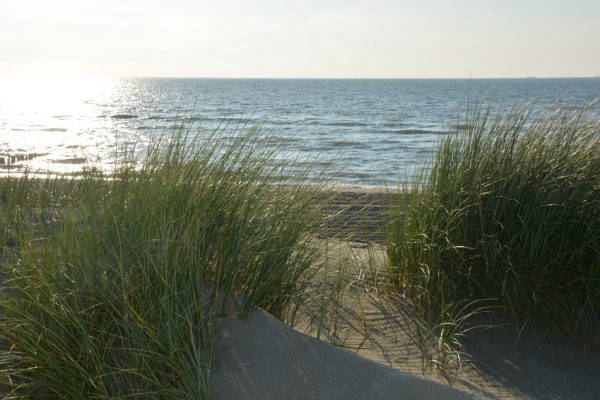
(371, 131)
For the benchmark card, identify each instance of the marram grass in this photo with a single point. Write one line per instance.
(509, 215)
(112, 284)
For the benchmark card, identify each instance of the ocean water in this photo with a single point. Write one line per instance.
(367, 132)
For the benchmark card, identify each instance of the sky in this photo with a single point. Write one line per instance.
(301, 39)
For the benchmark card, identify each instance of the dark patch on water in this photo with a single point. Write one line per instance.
(54, 129)
(11, 166)
(394, 124)
(425, 151)
(418, 131)
(354, 174)
(461, 127)
(74, 160)
(124, 116)
(349, 124)
(284, 139)
(11, 160)
(346, 143)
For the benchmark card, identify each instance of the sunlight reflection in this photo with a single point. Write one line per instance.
(46, 121)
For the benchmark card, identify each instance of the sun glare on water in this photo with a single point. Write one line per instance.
(48, 122)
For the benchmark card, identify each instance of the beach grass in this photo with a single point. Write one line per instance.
(507, 216)
(112, 284)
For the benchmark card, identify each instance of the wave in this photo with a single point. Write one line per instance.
(54, 129)
(346, 143)
(124, 116)
(354, 174)
(394, 124)
(38, 128)
(284, 139)
(74, 160)
(156, 117)
(418, 131)
(345, 124)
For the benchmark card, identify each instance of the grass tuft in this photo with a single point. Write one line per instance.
(507, 215)
(112, 284)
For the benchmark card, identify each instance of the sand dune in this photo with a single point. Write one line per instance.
(259, 357)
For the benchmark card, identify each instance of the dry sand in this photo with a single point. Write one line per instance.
(495, 362)
(261, 358)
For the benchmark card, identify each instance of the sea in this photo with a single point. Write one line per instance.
(360, 132)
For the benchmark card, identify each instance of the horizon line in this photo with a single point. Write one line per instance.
(283, 77)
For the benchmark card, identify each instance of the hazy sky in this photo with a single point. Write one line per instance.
(309, 38)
